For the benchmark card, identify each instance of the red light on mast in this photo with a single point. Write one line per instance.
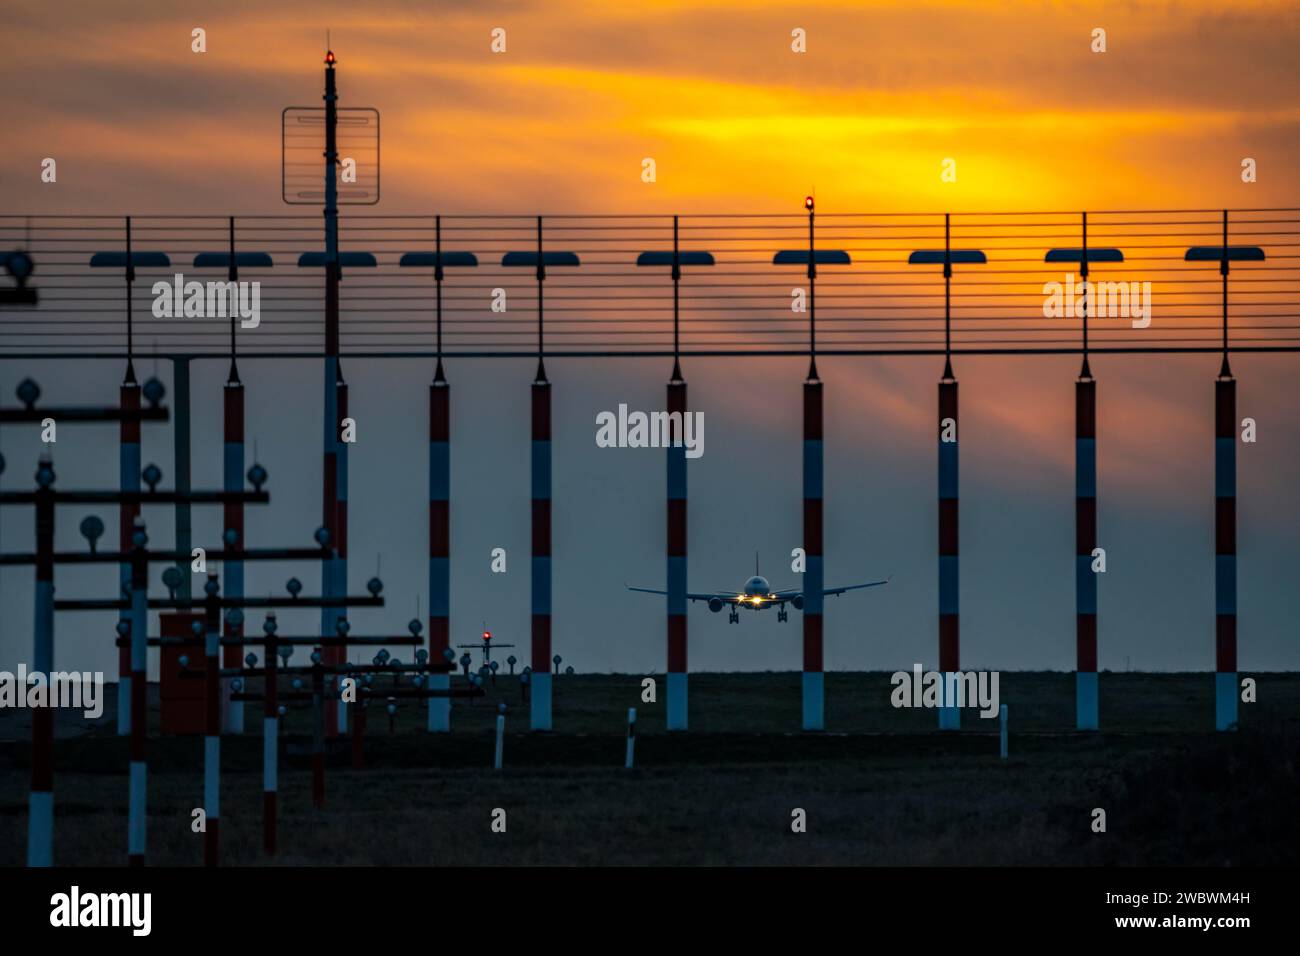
(487, 635)
(329, 56)
(808, 203)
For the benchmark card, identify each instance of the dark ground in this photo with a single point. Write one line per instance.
(881, 787)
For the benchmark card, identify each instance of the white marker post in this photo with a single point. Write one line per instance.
(631, 735)
(1002, 719)
(501, 736)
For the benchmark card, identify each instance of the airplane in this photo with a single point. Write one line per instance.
(757, 595)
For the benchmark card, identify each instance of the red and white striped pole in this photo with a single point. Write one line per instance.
(1086, 691)
(137, 798)
(334, 471)
(1085, 519)
(270, 738)
(233, 710)
(439, 511)
(678, 708)
(541, 520)
(129, 481)
(949, 619)
(232, 715)
(336, 717)
(540, 712)
(814, 676)
(439, 716)
(1225, 549)
(40, 806)
(678, 700)
(212, 697)
(1225, 523)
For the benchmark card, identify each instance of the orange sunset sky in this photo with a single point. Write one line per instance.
(736, 122)
(712, 91)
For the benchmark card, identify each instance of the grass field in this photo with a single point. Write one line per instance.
(880, 787)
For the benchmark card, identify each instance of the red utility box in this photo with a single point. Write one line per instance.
(181, 698)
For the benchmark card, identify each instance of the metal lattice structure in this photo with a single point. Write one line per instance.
(609, 305)
(455, 287)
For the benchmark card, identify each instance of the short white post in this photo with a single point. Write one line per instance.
(631, 735)
(501, 736)
(1002, 719)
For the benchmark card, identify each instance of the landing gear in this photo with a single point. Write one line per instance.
(734, 616)
(782, 614)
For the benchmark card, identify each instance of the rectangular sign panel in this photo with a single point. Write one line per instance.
(302, 155)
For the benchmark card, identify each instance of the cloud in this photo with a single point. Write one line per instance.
(712, 91)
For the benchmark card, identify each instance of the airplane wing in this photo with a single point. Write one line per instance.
(854, 587)
(792, 592)
(729, 596)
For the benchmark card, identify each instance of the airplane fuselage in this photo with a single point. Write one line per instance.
(756, 594)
